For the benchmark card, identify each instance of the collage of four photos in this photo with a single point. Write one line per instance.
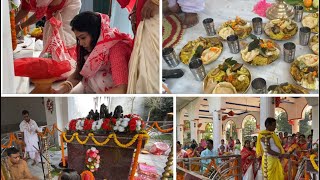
(159, 89)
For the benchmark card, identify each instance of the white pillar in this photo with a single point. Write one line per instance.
(314, 102)
(266, 110)
(62, 115)
(214, 107)
(239, 134)
(7, 69)
(194, 130)
(191, 116)
(179, 127)
(295, 126)
(315, 123)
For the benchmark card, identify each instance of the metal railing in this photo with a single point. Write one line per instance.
(306, 169)
(229, 163)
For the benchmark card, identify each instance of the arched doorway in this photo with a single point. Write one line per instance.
(305, 124)
(186, 132)
(231, 130)
(248, 127)
(208, 132)
(282, 120)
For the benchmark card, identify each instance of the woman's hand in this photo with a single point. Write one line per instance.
(63, 89)
(133, 20)
(18, 29)
(149, 10)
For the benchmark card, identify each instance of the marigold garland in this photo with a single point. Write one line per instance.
(136, 156)
(314, 164)
(12, 138)
(114, 136)
(159, 128)
(62, 151)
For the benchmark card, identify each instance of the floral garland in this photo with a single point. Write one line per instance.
(110, 136)
(114, 136)
(129, 123)
(314, 164)
(92, 159)
(50, 105)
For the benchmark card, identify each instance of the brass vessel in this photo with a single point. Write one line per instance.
(280, 10)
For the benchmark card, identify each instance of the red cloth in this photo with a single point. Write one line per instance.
(40, 68)
(119, 58)
(31, 5)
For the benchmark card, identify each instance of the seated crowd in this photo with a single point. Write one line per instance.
(297, 145)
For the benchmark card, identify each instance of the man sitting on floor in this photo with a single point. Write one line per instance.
(18, 168)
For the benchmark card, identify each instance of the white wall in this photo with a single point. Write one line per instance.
(7, 71)
(87, 5)
(12, 107)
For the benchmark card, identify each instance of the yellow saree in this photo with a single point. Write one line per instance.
(274, 169)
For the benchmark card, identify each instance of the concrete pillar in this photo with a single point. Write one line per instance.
(7, 83)
(266, 110)
(239, 134)
(214, 107)
(191, 116)
(179, 129)
(315, 123)
(295, 126)
(62, 116)
(314, 102)
(194, 129)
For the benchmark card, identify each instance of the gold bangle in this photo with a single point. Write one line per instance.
(68, 84)
(155, 2)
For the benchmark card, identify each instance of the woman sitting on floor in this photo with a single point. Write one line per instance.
(103, 56)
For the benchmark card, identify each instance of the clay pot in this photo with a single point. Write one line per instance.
(43, 86)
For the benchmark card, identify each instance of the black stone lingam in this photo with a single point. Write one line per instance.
(104, 112)
(91, 114)
(118, 112)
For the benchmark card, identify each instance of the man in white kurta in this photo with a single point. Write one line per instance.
(30, 129)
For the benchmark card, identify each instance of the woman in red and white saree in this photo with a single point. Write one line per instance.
(249, 169)
(103, 56)
(58, 38)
